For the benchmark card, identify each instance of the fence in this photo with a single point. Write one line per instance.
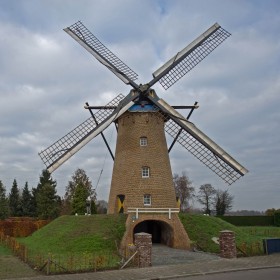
(54, 263)
(168, 211)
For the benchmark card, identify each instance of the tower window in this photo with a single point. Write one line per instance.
(145, 172)
(143, 141)
(147, 200)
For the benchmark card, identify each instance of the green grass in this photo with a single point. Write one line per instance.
(78, 242)
(201, 229)
(262, 232)
(4, 251)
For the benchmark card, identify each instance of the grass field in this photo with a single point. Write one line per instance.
(263, 232)
(201, 229)
(78, 243)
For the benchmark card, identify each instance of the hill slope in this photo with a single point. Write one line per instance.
(78, 234)
(201, 229)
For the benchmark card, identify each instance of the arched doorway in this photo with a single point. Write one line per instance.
(161, 231)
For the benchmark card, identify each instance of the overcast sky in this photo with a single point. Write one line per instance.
(46, 77)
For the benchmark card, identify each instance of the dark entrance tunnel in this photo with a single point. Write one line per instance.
(161, 232)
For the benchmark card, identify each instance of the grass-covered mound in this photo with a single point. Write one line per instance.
(201, 229)
(78, 242)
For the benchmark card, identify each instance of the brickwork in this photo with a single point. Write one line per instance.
(143, 243)
(227, 244)
(172, 230)
(130, 157)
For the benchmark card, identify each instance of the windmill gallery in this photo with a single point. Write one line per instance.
(142, 185)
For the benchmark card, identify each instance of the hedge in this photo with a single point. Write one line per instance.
(277, 219)
(250, 220)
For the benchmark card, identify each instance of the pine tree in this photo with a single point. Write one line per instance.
(26, 202)
(46, 201)
(15, 201)
(4, 207)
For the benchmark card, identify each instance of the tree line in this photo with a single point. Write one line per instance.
(43, 202)
(213, 200)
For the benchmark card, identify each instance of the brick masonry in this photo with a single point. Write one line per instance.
(127, 181)
(227, 244)
(130, 157)
(172, 230)
(143, 243)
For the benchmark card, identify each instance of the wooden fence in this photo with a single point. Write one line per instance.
(55, 264)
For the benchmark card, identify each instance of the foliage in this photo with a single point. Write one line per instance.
(277, 219)
(223, 202)
(20, 226)
(271, 212)
(206, 196)
(46, 201)
(101, 207)
(14, 201)
(79, 199)
(26, 202)
(4, 207)
(78, 190)
(184, 190)
(249, 220)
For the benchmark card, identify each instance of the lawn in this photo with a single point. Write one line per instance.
(201, 229)
(263, 232)
(77, 243)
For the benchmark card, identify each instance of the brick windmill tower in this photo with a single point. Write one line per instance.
(142, 185)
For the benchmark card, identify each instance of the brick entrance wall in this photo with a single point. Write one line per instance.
(174, 234)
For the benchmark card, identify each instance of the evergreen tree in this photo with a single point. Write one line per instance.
(15, 201)
(4, 207)
(26, 202)
(46, 201)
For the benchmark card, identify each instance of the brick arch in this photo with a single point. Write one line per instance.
(177, 237)
(161, 231)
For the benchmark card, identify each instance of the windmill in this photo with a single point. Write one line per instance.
(142, 179)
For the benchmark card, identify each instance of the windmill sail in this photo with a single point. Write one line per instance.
(200, 145)
(185, 60)
(64, 148)
(87, 40)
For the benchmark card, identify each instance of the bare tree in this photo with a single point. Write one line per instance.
(223, 202)
(184, 190)
(206, 197)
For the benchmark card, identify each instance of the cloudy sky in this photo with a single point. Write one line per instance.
(46, 77)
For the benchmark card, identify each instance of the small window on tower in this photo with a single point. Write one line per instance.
(143, 141)
(147, 200)
(145, 172)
